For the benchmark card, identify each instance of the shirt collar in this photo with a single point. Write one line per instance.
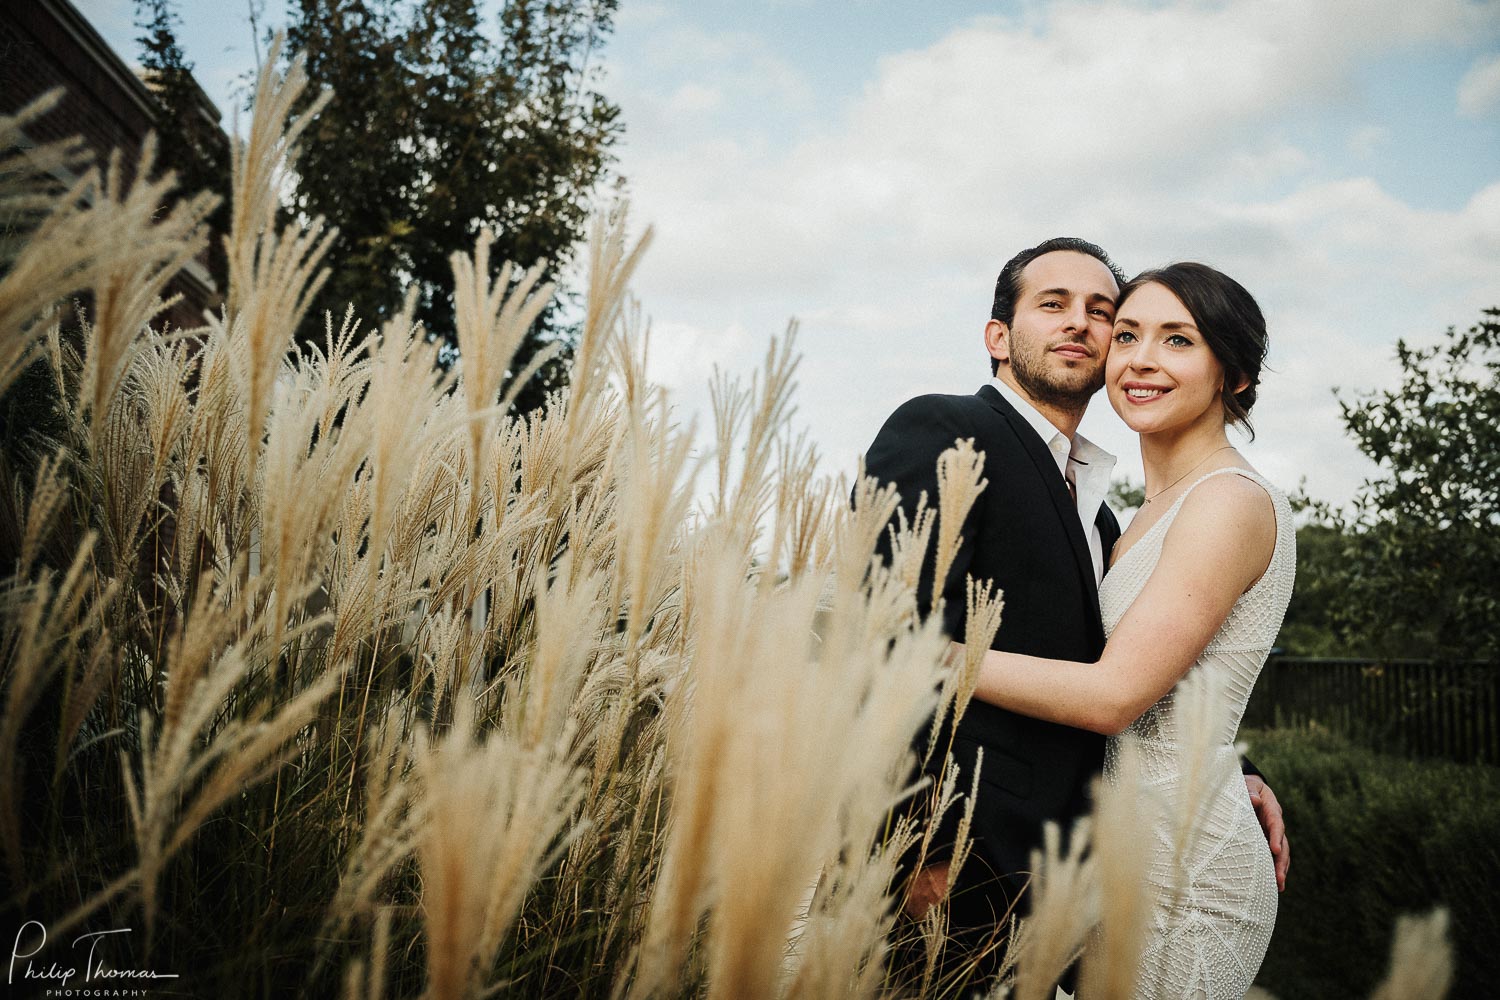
(1080, 448)
(1044, 428)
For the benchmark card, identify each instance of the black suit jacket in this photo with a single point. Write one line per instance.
(1024, 534)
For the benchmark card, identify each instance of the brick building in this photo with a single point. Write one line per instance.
(45, 44)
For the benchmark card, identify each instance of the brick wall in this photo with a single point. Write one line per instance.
(45, 44)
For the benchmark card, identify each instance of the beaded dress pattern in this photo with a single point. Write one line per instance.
(1212, 910)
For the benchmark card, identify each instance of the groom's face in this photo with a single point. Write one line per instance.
(1055, 344)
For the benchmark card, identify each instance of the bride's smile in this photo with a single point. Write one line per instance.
(1161, 373)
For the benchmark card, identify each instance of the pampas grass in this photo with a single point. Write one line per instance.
(331, 674)
(1421, 959)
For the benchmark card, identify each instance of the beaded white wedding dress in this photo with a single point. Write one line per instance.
(1213, 908)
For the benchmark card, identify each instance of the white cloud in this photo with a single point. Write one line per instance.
(1479, 90)
(1366, 140)
(693, 97)
(1151, 129)
(639, 13)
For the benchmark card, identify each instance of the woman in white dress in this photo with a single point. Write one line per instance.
(1198, 582)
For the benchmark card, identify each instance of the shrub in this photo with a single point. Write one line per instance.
(1375, 836)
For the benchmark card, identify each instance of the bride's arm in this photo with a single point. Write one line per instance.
(1219, 544)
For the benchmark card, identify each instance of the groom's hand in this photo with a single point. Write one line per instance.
(1268, 811)
(927, 889)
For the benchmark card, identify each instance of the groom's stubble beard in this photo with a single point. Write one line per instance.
(1068, 390)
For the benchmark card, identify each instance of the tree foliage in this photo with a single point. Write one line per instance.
(1125, 494)
(1308, 628)
(442, 125)
(1417, 568)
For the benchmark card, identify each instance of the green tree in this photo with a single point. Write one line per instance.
(1309, 628)
(439, 128)
(1125, 495)
(1418, 560)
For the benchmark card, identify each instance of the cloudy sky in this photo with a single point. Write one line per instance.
(866, 166)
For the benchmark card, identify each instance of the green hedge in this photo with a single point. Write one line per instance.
(1375, 836)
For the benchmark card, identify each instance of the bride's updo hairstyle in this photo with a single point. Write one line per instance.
(1228, 318)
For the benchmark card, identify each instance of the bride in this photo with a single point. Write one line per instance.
(1199, 582)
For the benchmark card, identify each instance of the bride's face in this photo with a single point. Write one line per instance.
(1161, 374)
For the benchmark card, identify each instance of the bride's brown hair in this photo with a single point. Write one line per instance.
(1230, 321)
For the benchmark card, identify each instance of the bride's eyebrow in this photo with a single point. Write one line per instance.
(1126, 321)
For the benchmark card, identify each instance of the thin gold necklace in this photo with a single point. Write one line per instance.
(1189, 472)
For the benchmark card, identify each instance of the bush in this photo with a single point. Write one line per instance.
(1375, 836)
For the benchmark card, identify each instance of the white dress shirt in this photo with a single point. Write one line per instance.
(1081, 462)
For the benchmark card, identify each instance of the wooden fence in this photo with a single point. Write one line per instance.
(1418, 708)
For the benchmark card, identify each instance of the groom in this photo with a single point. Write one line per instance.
(1041, 532)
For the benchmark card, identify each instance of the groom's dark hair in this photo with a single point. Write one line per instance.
(1008, 285)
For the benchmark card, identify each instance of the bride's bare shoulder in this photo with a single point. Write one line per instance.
(1227, 516)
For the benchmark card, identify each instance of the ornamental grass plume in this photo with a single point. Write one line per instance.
(985, 603)
(764, 408)
(295, 515)
(1202, 727)
(28, 173)
(960, 481)
(1063, 908)
(50, 625)
(654, 477)
(274, 272)
(493, 813)
(804, 508)
(492, 319)
(1111, 965)
(403, 391)
(117, 470)
(150, 248)
(50, 243)
(570, 631)
(1421, 959)
(215, 737)
(212, 476)
(393, 817)
(163, 404)
(50, 488)
(778, 732)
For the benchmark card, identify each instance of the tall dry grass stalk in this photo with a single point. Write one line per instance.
(1064, 908)
(1111, 965)
(492, 812)
(339, 676)
(55, 626)
(1421, 959)
(492, 319)
(127, 284)
(49, 244)
(273, 272)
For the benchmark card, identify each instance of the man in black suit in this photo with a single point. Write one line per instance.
(1041, 532)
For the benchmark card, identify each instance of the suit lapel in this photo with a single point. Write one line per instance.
(1057, 491)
